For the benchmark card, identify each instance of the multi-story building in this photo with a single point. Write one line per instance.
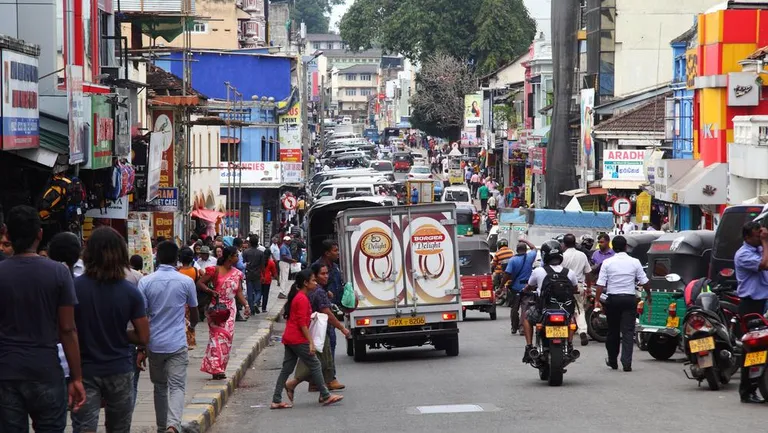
(322, 42)
(357, 87)
(329, 65)
(252, 23)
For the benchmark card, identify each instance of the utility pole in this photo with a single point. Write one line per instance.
(322, 109)
(304, 120)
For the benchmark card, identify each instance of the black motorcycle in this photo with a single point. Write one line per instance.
(755, 346)
(552, 351)
(708, 342)
(597, 324)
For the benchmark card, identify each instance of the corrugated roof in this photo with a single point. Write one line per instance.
(361, 69)
(323, 37)
(163, 83)
(648, 117)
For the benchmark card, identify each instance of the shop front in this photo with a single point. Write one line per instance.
(257, 187)
(695, 191)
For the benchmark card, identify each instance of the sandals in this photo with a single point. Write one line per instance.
(282, 405)
(333, 398)
(290, 391)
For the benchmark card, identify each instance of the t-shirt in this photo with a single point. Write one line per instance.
(254, 259)
(319, 300)
(538, 275)
(285, 252)
(101, 315)
(32, 288)
(577, 262)
(482, 193)
(166, 292)
(300, 315)
(520, 268)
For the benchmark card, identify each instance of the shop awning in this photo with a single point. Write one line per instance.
(207, 215)
(541, 132)
(702, 185)
(578, 192)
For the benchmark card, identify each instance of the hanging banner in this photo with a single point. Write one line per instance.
(643, 208)
(116, 210)
(162, 123)
(538, 156)
(587, 122)
(77, 124)
(122, 125)
(19, 112)
(162, 224)
(154, 163)
(104, 134)
(528, 185)
(289, 134)
(473, 112)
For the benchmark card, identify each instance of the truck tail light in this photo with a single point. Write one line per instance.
(363, 322)
(672, 309)
(449, 316)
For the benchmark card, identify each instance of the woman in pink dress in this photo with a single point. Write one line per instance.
(227, 283)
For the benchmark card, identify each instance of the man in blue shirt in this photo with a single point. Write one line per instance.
(751, 262)
(517, 273)
(166, 293)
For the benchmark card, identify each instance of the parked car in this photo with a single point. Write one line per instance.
(420, 172)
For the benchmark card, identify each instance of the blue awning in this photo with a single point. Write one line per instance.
(542, 133)
(559, 218)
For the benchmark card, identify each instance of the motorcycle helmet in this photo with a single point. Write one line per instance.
(550, 251)
(587, 241)
(559, 238)
(502, 243)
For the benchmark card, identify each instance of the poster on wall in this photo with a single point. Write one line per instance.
(104, 134)
(528, 185)
(77, 135)
(587, 122)
(140, 238)
(289, 134)
(293, 172)
(122, 125)
(162, 123)
(473, 112)
(19, 111)
(154, 163)
(624, 165)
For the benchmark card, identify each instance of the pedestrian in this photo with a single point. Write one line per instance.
(254, 263)
(619, 275)
(274, 248)
(576, 261)
(517, 272)
(284, 265)
(218, 252)
(628, 226)
(106, 302)
(492, 201)
(751, 262)
(475, 179)
(228, 285)
(298, 343)
(500, 261)
(602, 253)
(205, 260)
(37, 313)
(166, 293)
(468, 176)
(320, 303)
(186, 257)
(133, 274)
(268, 273)
(490, 219)
(414, 195)
(482, 194)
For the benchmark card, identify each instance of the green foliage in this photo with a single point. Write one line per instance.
(504, 114)
(314, 13)
(486, 32)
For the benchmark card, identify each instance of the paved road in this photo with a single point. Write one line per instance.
(383, 393)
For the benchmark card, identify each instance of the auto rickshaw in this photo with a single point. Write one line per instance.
(687, 254)
(464, 221)
(638, 245)
(476, 277)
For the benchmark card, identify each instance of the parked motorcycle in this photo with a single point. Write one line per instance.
(708, 342)
(597, 324)
(755, 347)
(552, 352)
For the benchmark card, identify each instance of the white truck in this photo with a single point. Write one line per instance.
(403, 263)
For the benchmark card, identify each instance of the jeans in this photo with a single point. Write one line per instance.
(620, 311)
(44, 402)
(264, 295)
(168, 372)
(254, 294)
(293, 353)
(117, 393)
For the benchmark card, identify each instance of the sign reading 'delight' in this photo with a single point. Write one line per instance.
(624, 165)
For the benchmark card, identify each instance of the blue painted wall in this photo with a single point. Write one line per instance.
(682, 144)
(251, 74)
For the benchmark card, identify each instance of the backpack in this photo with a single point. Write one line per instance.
(54, 200)
(127, 176)
(115, 184)
(557, 285)
(77, 200)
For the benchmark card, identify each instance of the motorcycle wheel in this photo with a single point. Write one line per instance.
(501, 298)
(711, 375)
(555, 365)
(662, 347)
(597, 333)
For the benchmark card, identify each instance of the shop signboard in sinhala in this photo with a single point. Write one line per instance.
(538, 156)
(79, 128)
(586, 146)
(103, 130)
(19, 109)
(250, 174)
(473, 111)
(289, 134)
(624, 165)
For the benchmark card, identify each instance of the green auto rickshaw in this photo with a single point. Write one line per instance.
(464, 221)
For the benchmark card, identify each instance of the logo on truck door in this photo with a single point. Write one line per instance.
(428, 241)
(376, 244)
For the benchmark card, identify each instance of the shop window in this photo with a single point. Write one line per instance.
(264, 149)
(661, 267)
(230, 152)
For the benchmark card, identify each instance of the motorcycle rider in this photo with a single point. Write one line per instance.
(552, 259)
(577, 261)
(500, 261)
(517, 272)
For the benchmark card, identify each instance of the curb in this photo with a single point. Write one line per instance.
(206, 405)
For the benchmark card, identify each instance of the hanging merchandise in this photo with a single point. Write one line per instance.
(54, 200)
(128, 176)
(115, 185)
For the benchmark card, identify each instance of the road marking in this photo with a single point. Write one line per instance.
(449, 408)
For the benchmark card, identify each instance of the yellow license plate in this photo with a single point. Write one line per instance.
(702, 344)
(556, 331)
(755, 358)
(485, 293)
(407, 321)
(673, 322)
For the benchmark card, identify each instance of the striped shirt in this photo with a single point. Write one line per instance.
(501, 258)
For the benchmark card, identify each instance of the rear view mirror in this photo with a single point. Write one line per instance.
(673, 278)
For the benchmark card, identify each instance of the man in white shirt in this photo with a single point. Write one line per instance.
(576, 261)
(205, 260)
(628, 225)
(619, 275)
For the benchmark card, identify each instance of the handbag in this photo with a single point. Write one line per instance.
(218, 312)
(295, 267)
(317, 330)
(204, 298)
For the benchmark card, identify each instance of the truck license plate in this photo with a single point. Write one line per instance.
(755, 358)
(407, 321)
(485, 293)
(556, 331)
(702, 344)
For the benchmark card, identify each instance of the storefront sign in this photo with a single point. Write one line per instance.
(104, 133)
(473, 112)
(167, 200)
(538, 156)
(528, 185)
(79, 130)
(154, 164)
(162, 224)
(162, 122)
(643, 208)
(743, 89)
(293, 172)
(117, 210)
(468, 138)
(289, 134)
(587, 122)
(691, 68)
(122, 126)
(19, 111)
(624, 165)
(250, 174)
(139, 161)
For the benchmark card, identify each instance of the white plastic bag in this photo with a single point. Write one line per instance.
(317, 329)
(295, 267)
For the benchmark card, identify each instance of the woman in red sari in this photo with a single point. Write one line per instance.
(227, 284)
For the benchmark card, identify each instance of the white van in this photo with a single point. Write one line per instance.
(457, 194)
(330, 153)
(338, 135)
(331, 192)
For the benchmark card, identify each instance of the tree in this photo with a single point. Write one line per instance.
(486, 32)
(314, 13)
(438, 104)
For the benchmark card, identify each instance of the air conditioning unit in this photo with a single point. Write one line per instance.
(114, 72)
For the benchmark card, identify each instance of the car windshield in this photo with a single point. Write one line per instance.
(464, 218)
(402, 157)
(382, 166)
(420, 170)
(456, 195)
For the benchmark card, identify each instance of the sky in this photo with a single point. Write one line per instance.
(338, 12)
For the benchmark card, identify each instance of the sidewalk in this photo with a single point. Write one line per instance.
(206, 397)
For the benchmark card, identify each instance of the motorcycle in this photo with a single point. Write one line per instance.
(597, 324)
(552, 352)
(709, 345)
(755, 346)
